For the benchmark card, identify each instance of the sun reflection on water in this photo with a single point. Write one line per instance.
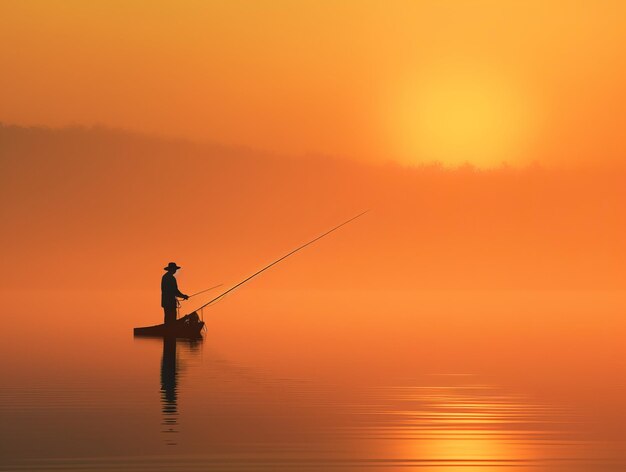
(466, 427)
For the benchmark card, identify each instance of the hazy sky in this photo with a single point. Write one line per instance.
(479, 81)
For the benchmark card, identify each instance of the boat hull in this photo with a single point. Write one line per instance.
(189, 326)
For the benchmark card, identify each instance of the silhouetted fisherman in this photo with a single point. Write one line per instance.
(169, 292)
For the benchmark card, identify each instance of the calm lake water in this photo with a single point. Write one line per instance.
(446, 381)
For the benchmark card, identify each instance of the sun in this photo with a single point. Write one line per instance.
(457, 117)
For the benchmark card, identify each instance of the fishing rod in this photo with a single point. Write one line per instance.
(205, 290)
(282, 258)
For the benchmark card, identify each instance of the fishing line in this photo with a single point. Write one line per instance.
(210, 302)
(205, 290)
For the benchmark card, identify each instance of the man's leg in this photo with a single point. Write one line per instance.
(170, 314)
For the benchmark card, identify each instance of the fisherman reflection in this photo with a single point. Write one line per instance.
(169, 392)
(170, 376)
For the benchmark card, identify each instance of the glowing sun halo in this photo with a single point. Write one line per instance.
(458, 118)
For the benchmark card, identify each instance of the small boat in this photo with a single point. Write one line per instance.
(189, 326)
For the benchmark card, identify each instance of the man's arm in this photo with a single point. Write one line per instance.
(178, 292)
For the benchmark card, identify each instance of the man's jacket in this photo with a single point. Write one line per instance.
(169, 291)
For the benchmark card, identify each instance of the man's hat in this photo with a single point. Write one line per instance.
(171, 265)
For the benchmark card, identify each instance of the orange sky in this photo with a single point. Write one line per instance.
(270, 82)
(479, 81)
